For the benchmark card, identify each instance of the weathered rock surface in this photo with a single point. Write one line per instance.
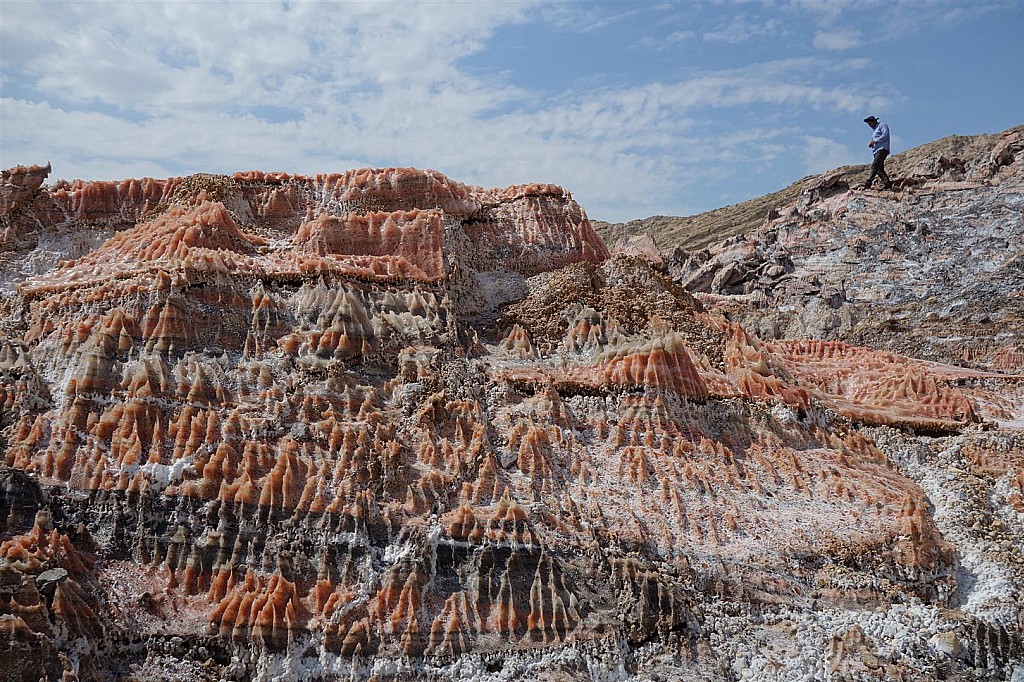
(384, 425)
(699, 231)
(934, 270)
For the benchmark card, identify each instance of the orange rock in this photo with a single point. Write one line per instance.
(267, 610)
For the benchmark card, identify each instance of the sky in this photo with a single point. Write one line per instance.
(638, 108)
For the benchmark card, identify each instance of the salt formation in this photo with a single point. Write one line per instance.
(382, 424)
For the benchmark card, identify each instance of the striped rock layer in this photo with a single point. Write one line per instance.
(317, 427)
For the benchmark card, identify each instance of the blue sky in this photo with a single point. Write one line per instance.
(638, 108)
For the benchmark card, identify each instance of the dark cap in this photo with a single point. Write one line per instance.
(869, 119)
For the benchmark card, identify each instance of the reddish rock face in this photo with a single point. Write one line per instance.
(19, 186)
(406, 242)
(313, 424)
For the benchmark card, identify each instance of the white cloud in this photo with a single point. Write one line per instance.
(124, 89)
(822, 154)
(837, 40)
(741, 29)
(825, 12)
(667, 42)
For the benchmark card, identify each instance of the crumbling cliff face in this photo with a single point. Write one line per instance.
(383, 425)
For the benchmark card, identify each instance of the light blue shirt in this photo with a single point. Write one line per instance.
(880, 138)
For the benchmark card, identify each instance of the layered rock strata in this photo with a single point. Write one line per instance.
(382, 424)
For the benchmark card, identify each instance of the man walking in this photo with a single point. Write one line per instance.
(880, 144)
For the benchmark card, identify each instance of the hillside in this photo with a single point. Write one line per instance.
(931, 270)
(696, 232)
(383, 425)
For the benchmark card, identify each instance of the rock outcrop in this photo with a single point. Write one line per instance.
(932, 270)
(384, 425)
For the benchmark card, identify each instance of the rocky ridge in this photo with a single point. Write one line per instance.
(383, 425)
(704, 229)
(933, 270)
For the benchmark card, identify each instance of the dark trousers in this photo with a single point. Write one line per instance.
(878, 168)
